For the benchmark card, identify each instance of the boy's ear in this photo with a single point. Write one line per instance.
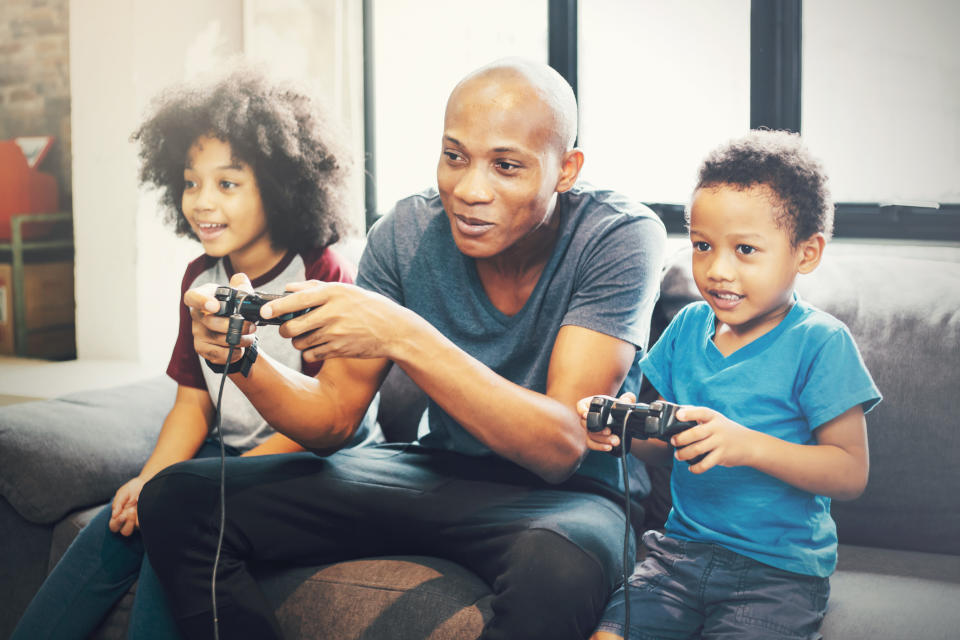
(810, 252)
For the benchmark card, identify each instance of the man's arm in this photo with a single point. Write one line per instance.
(318, 413)
(538, 431)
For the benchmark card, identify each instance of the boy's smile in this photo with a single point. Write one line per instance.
(744, 263)
(222, 203)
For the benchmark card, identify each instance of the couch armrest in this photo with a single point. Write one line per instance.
(74, 451)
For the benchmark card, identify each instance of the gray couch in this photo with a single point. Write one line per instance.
(899, 570)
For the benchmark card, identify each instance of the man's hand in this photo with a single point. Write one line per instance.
(123, 516)
(725, 442)
(346, 321)
(603, 440)
(209, 330)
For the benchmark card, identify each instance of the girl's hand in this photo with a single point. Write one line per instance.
(604, 440)
(345, 321)
(123, 517)
(725, 442)
(209, 330)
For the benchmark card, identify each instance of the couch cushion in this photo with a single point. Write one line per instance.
(893, 594)
(905, 316)
(380, 599)
(62, 454)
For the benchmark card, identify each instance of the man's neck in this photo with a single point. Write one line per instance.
(510, 277)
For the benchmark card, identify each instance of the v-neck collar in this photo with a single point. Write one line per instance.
(752, 348)
(480, 293)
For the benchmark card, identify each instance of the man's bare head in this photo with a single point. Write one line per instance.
(509, 80)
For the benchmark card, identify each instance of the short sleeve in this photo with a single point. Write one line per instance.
(619, 280)
(657, 365)
(326, 265)
(184, 365)
(379, 271)
(836, 380)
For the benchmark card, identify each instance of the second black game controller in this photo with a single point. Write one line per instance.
(643, 421)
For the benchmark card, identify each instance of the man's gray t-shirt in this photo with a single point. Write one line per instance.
(603, 275)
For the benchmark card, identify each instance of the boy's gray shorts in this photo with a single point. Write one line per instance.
(687, 589)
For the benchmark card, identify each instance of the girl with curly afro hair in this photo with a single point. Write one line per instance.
(290, 146)
(253, 171)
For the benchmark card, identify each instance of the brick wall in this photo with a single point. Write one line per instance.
(35, 80)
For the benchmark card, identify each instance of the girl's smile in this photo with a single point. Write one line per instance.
(221, 201)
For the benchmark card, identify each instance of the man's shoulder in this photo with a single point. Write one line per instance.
(607, 216)
(423, 204)
(607, 203)
(409, 217)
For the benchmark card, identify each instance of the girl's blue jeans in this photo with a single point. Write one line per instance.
(95, 572)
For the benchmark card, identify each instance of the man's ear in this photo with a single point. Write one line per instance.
(570, 165)
(811, 251)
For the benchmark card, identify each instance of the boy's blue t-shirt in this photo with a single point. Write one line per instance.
(803, 373)
(603, 275)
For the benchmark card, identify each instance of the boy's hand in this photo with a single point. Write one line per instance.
(209, 330)
(725, 442)
(604, 440)
(123, 517)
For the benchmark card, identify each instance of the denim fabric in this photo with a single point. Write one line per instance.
(686, 589)
(96, 571)
(550, 553)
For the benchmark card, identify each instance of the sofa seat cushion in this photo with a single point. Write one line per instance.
(386, 597)
(58, 455)
(379, 598)
(881, 593)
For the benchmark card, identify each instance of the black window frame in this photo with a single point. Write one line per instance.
(776, 54)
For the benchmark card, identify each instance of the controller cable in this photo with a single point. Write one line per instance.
(234, 332)
(627, 561)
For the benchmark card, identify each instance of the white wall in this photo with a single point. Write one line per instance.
(129, 265)
(122, 53)
(881, 97)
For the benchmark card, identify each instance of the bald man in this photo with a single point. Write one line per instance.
(507, 294)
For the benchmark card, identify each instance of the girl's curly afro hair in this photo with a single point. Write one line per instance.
(279, 132)
(779, 161)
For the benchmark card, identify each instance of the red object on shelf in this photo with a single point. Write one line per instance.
(23, 189)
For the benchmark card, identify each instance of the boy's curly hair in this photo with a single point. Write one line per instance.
(288, 143)
(780, 161)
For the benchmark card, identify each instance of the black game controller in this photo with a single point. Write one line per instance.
(233, 301)
(644, 421)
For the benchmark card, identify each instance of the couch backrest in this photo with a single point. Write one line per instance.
(905, 316)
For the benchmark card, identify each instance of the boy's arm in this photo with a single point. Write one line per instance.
(183, 432)
(836, 467)
(277, 443)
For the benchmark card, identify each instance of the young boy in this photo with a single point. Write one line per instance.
(779, 392)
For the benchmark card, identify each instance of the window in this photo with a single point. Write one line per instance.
(661, 83)
(881, 100)
(421, 50)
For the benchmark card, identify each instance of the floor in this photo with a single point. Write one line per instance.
(27, 379)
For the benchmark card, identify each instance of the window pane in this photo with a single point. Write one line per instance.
(661, 83)
(881, 97)
(421, 50)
